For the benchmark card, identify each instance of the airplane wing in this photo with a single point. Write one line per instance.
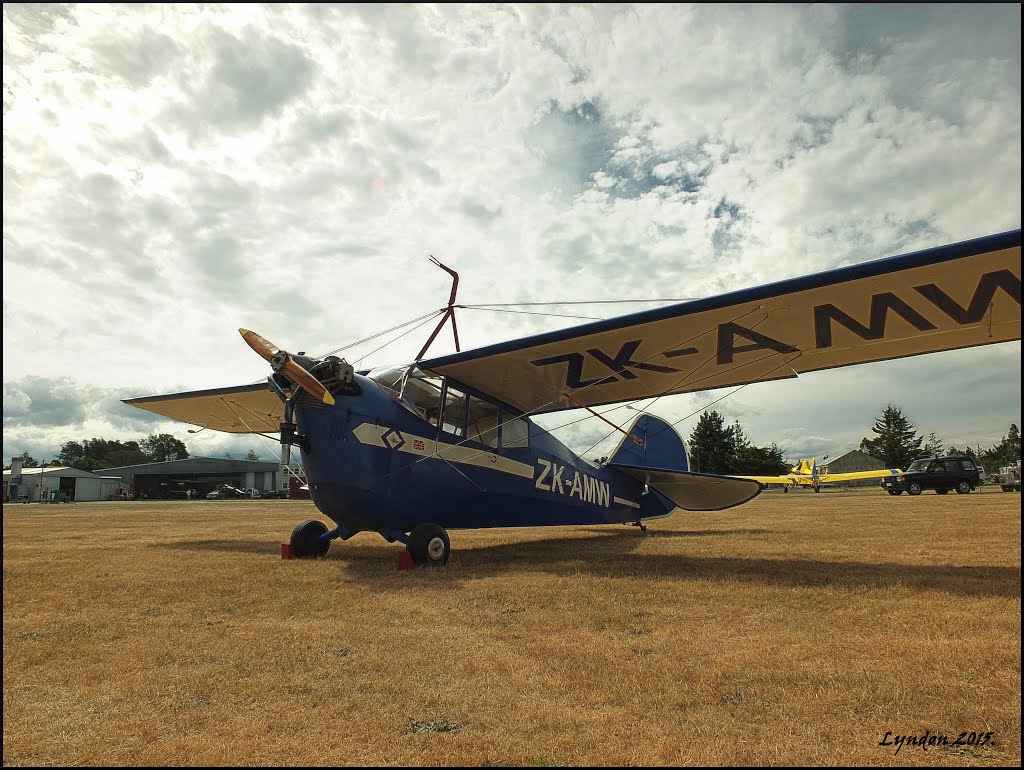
(239, 409)
(770, 479)
(945, 298)
(825, 478)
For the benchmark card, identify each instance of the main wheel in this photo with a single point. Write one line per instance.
(306, 540)
(914, 489)
(942, 491)
(429, 545)
(963, 487)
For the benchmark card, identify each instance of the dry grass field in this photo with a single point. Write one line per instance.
(800, 629)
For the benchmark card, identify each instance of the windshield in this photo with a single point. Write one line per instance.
(415, 390)
(919, 465)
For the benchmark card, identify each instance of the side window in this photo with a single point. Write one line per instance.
(453, 419)
(483, 422)
(951, 466)
(515, 432)
(968, 465)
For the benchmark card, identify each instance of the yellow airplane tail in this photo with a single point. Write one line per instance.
(805, 468)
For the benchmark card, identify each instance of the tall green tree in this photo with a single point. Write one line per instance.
(712, 445)
(163, 447)
(96, 453)
(1003, 453)
(252, 455)
(896, 443)
(933, 446)
(760, 461)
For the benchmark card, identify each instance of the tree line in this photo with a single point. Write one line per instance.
(715, 447)
(96, 453)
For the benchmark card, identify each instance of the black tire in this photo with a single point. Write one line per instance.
(895, 492)
(429, 545)
(306, 542)
(963, 488)
(914, 488)
(817, 489)
(1007, 488)
(942, 491)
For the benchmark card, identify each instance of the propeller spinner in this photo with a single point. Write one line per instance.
(282, 363)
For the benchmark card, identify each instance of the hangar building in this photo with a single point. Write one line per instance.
(56, 484)
(173, 479)
(850, 462)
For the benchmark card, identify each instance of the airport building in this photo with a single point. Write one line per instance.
(851, 462)
(193, 476)
(57, 484)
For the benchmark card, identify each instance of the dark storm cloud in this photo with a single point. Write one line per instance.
(48, 402)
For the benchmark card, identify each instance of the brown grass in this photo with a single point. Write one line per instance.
(795, 630)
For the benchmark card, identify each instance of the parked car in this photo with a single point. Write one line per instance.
(226, 492)
(939, 473)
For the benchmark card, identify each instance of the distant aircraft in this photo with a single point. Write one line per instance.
(806, 474)
(449, 443)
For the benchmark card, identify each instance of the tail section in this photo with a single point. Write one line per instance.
(660, 462)
(661, 446)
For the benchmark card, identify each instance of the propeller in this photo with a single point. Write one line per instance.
(282, 363)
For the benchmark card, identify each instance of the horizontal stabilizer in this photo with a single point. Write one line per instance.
(696, 491)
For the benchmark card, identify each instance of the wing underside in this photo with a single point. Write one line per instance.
(952, 297)
(239, 409)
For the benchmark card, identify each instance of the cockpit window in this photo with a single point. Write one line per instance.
(415, 390)
(463, 415)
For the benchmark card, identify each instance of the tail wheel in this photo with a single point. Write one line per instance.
(429, 545)
(915, 488)
(308, 541)
(963, 487)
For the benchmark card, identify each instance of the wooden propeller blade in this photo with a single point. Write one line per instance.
(260, 344)
(289, 368)
(306, 381)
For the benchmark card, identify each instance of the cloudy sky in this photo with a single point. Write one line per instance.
(174, 172)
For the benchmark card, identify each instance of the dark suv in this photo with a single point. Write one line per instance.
(939, 473)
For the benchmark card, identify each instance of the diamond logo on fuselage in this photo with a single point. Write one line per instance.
(393, 439)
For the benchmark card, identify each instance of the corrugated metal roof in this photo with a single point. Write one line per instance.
(197, 465)
(55, 470)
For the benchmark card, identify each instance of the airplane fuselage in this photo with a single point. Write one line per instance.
(373, 464)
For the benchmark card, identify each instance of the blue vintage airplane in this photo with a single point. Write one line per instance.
(448, 443)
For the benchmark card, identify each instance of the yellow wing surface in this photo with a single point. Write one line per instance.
(240, 409)
(804, 474)
(951, 297)
(826, 478)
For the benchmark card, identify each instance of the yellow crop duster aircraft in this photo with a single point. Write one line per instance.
(806, 474)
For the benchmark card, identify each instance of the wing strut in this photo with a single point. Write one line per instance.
(449, 311)
(639, 441)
